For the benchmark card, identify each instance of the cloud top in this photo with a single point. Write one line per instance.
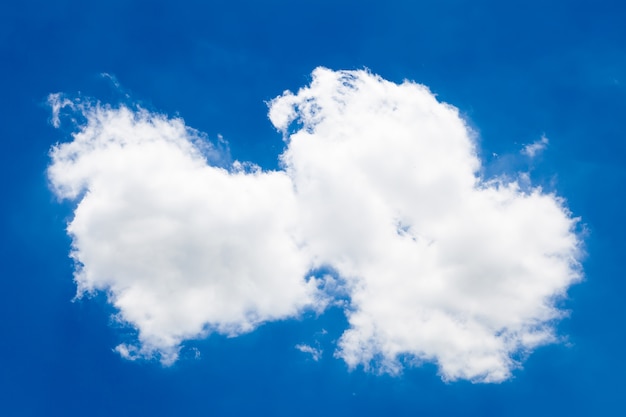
(380, 182)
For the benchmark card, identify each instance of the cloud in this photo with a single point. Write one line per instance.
(316, 353)
(380, 183)
(57, 102)
(442, 265)
(535, 148)
(181, 248)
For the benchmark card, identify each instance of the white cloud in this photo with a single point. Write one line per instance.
(380, 183)
(182, 248)
(316, 353)
(441, 265)
(57, 102)
(535, 148)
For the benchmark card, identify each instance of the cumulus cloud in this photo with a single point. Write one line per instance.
(380, 183)
(442, 265)
(182, 248)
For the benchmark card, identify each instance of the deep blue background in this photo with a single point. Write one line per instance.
(516, 70)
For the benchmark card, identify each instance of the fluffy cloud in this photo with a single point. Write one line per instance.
(182, 248)
(441, 265)
(380, 182)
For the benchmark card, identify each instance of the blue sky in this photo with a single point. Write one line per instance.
(516, 73)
